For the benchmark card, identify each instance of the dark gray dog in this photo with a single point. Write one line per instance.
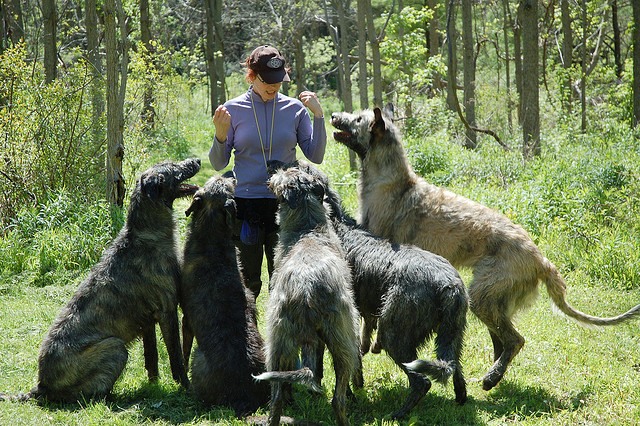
(133, 286)
(218, 308)
(310, 301)
(412, 293)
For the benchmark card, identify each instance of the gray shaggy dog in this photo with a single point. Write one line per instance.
(399, 205)
(133, 286)
(218, 309)
(310, 301)
(412, 294)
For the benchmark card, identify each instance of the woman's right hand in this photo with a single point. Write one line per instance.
(222, 122)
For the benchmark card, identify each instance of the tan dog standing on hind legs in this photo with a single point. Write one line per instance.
(132, 287)
(397, 204)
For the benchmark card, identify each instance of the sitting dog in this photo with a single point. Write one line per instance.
(218, 308)
(133, 286)
(310, 302)
(411, 293)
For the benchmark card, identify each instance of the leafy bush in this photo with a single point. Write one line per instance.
(46, 138)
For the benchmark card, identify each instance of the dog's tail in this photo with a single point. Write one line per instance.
(304, 376)
(557, 289)
(438, 370)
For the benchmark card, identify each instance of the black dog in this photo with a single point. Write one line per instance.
(133, 286)
(218, 308)
(411, 293)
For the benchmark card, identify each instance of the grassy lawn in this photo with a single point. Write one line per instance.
(565, 374)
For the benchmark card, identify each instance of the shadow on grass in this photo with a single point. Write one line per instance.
(509, 401)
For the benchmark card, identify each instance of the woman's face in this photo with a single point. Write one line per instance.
(265, 90)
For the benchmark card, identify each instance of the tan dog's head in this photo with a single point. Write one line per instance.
(363, 130)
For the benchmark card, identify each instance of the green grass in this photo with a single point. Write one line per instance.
(580, 202)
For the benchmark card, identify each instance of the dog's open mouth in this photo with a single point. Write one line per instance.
(187, 189)
(342, 136)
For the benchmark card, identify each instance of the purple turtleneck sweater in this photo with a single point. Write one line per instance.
(291, 126)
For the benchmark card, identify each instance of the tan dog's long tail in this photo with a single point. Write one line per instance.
(557, 288)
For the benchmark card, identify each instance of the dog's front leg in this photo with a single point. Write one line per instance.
(150, 347)
(170, 333)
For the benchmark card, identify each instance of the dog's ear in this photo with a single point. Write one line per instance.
(196, 204)
(230, 174)
(291, 196)
(151, 185)
(230, 212)
(317, 189)
(389, 110)
(378, 126)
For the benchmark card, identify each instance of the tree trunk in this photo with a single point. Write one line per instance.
(300, 65)
(343, 59)
(148, 112)
(469, 73)
(583, 79)
(218, 44)
(517, 53)
(616, 39)
(3, 31)
(434, 41)
(363, 87)
(214, 52)
(115, 148)
(375, 55)
(636, 63)
(49, 39)
(453, 58)
(567, 54)
(507, 18)
(530, 89)
(14, 22)
(93, 56)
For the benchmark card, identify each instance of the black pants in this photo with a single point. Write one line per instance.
(259, 212)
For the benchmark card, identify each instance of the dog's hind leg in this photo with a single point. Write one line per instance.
(369, 323)
(497, 345)
(512, 342)
(507, 342)
(100, 366)
(275, 411)
(404, 352)
(338, 402)
(150, 348)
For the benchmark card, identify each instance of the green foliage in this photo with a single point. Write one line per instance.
(406, 52)
(57, 236)
(46, 138)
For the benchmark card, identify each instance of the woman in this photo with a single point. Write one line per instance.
(259, 126)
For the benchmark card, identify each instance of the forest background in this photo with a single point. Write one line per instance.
(529, 107)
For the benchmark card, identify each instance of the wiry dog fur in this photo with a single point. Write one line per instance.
(218, 309)
(412, 293)
(507, 265)
(310, 302)
(133, 286)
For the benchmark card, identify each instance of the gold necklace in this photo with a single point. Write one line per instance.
(273, 116)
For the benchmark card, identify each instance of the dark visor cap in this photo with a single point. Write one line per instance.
(269, 64)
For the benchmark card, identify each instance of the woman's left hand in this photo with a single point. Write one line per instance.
(310, 100)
